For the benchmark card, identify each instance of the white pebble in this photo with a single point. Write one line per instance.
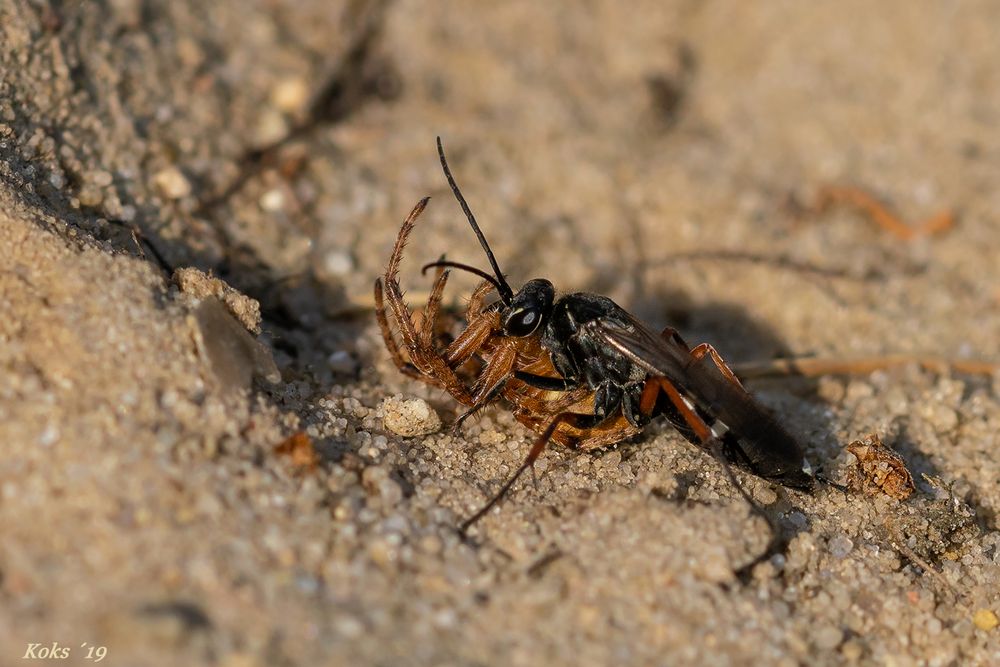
(290, 95)
(338, 263)
(272, 200)
(342, 362)
(828, 637)
(172, 184)
(409, 417)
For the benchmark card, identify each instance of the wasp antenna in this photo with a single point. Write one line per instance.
(464, 267)
(506, 293)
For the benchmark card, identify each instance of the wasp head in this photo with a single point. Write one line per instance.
(529, 308)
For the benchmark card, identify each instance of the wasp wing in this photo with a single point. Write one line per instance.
(659, 355)
(761, 443)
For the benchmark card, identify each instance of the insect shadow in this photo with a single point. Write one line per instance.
(739, 337)
(611, 373)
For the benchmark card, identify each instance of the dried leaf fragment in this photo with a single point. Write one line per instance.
(299, 446)
(879, 470)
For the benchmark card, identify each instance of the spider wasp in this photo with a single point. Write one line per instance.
(578, 369)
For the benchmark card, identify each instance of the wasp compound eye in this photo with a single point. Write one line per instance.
(523, 322)
(529, 308)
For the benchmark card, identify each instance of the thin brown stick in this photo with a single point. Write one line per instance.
(899, 544)
(881, 214)
(778, 261)
(817, 366)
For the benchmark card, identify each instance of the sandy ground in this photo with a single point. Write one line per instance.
(143, 505)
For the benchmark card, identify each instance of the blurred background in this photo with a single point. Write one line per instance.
(625, 148)
(283, 142)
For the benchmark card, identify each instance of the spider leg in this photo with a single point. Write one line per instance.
(426, 362)
(471, 340)
(492, 381)
(478, 330)
(397, 305)
(432, 309)
(478, 299)
(431, 367)
(488, 398)
(392, 269)
(390, 340)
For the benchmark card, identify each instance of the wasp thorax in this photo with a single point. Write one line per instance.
(529, 308)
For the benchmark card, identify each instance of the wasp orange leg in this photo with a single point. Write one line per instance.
(711, 443)
(703, 350)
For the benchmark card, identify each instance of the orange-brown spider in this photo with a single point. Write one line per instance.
(422, 358)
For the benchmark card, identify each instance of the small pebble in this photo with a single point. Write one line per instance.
(90, 195)
(172, 184)
(273, 200)
(338, 263)
(100, 178)
(941, 417)
(372, 476)
(765, 495)
(409, 417)
(857, 391)
(431, 544)
(390, 492)
(290, 95)
(494, 438)
(382, 553)
(852, 650)
(985, 620)
(828, 638)
(349, 627)
(342, 362)
(714, 566)
(799, 520)
(49, 435)
(445, 618)
(831, 390)
(271, 127)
